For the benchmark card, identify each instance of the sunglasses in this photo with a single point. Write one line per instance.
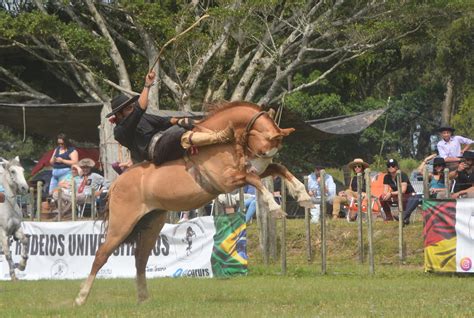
(357, 166)
(391, 166)
(438, 165)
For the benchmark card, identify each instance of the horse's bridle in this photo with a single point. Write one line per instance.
(247, 133)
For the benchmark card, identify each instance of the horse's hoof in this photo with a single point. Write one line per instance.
(306, 204)
(79, 301)
(278, 214)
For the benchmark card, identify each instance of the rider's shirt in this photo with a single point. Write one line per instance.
(136, 130)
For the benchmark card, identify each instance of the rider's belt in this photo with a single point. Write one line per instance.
(152, 144)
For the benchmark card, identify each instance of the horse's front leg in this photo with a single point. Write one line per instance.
(5, 242)
(23, 239)
(267, 196)
(295, 187)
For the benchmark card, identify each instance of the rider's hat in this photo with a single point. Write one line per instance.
(119, 102)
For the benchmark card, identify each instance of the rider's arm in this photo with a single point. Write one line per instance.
(143, 99)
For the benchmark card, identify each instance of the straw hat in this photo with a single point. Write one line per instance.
(358, 161)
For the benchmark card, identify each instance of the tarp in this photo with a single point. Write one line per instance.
(449, 235)
(322, 129)
(43, 162)
(80, 121)
(65, 250)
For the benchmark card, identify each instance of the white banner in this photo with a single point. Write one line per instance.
(66, 250)
(465, 235)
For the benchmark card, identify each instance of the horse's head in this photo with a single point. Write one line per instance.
(265, 137)
(14, 176)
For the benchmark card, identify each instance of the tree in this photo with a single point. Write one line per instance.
(252, 50)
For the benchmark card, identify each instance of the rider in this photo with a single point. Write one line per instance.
(154, 138)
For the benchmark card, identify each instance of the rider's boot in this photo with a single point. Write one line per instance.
(197, 138)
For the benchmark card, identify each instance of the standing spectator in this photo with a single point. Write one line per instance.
(345, 197)
(64, 156)
(315, 191)
(390, 189)
(464, 176)
(449, 147)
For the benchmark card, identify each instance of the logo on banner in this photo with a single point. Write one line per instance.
(465, 263)
(188, 240)
(59, 269)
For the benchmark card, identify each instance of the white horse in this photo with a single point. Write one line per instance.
(14, 183)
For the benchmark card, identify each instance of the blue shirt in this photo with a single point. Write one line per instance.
(313, 185)
(2, 189)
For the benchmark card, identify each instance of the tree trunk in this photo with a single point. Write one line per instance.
(448, 103)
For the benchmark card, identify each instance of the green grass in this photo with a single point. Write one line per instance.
(396, 289)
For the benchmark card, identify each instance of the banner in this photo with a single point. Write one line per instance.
(449, 235)
(66, 250)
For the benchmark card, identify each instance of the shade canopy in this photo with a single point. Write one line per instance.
(80, 121)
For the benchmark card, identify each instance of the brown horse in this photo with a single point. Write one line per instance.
(140, 197)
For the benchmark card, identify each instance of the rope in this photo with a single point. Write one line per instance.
(176, 37)
(24, 123)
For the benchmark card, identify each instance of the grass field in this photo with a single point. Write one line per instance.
(401, 290)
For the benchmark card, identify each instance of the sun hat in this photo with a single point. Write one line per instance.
(358, 161)
(86, 162)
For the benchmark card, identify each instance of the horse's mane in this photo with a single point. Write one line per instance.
(217, 107)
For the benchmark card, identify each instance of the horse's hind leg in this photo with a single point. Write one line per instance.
(153, 223)
(117, 232)
(23, 239)
(5, 243)
(295, 187)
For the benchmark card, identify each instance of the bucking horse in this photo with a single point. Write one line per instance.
(139, 198)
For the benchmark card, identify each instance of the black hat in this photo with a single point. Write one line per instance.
(444, 128)
(468, 155)
(318, 166)
(392, 162)
(438, 161)
(119, 102)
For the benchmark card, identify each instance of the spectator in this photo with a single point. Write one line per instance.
(91, 183)
(154, 138)
(436, 177)
(2, 194)
(62, 203)
(390, 191)
(315, 191)
(464, 176)
(449, 147)
(250, 202)
(436, 186)
(64, 156)
(345, 197)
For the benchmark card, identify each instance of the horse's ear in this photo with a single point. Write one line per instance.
(286, 131)
(17, 158)
(271, 112)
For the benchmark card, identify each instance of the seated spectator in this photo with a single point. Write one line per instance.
(91, 184)
(250, 202)
(390, 191)
(449, 147)
(62, 194)
(436, 186)
(464, 176)
(315, 192)
(436, 177)
(345, 197)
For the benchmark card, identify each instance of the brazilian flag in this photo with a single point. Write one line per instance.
(229, 255)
